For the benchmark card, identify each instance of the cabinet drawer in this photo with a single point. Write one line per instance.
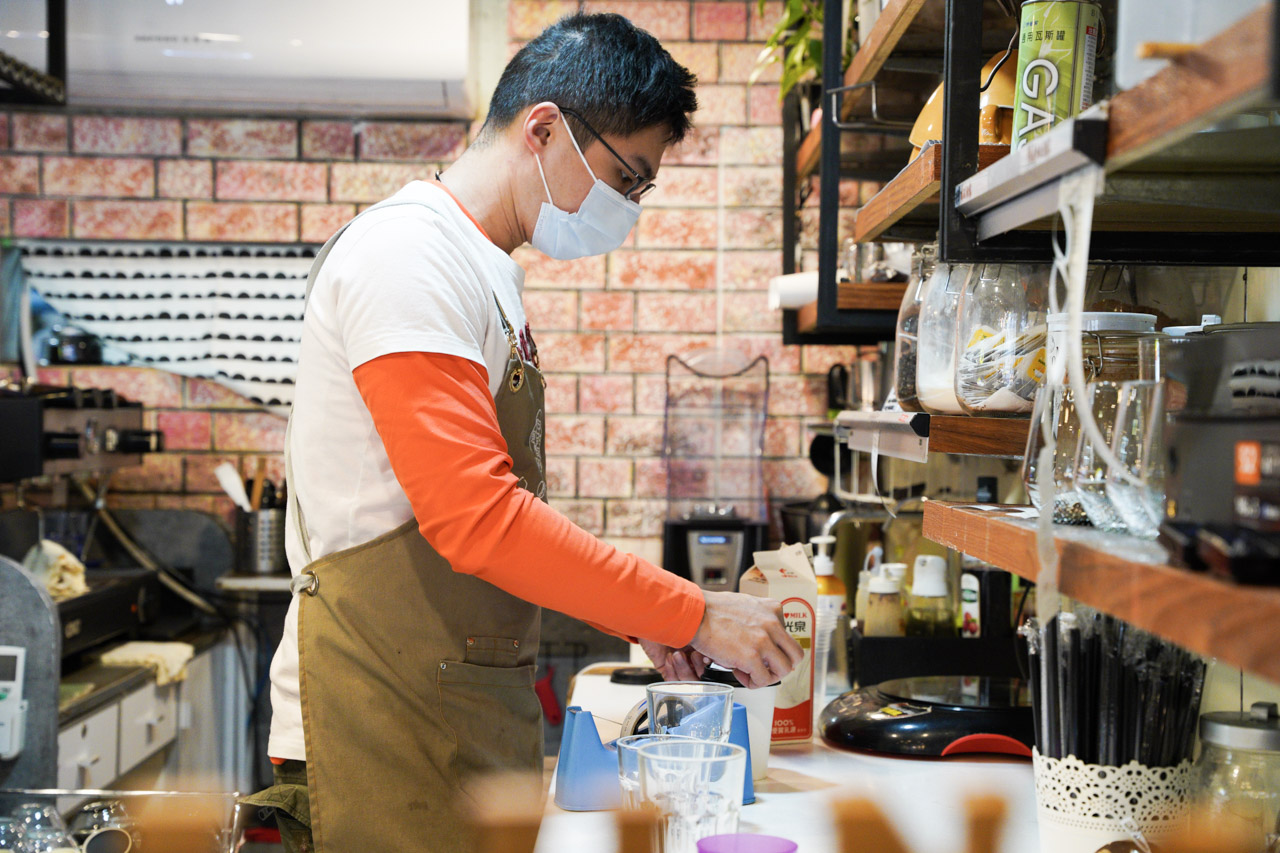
(87, 750)
(148, 722)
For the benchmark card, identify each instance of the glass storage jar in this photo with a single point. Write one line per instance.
(1000, 340)
(907, 338)
(936, 367)
(1237, 776)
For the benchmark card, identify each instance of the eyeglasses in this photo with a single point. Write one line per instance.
(640, 185)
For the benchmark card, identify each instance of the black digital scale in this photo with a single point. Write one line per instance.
(934, 717)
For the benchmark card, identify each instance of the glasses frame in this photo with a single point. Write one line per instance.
(640, 185)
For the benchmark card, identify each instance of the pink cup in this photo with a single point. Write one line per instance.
(746, 842)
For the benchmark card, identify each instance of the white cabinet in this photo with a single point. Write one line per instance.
(148, 723)
(87, 750)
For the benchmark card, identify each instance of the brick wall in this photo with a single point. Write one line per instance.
(605, 325)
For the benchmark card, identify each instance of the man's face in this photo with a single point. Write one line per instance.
(570, 182)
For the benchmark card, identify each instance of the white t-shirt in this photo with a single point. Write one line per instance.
(408, 278)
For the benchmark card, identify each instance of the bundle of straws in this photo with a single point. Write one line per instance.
(1108, 693)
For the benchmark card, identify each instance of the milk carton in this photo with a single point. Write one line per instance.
(786, 576)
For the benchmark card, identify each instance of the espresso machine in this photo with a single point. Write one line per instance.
(713, 446)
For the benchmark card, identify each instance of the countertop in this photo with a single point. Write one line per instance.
(923, 798)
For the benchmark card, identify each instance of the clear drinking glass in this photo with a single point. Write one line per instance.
(695, 709)
(33, 817)
(629, 764)
(1090, 482)
(48, 840)
(696, 788)
(10, 834)
(1139, 444)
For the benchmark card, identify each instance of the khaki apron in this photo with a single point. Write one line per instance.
(416, 678)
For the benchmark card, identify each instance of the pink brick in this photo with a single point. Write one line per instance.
(763, 106)
(651, 478)
(648, 353)
(753, 229)
(552, 310)
(205, 394)
(541, 271)
(761, 146)
(373, 181)
(634, 517)
(639, 436)
(714, 20)
(761, 26)
(575, 434)
(19, 175)
(822, 359)
(259, 181)
(242, 221)
(662, 270)
(53, 376)
(701, 147)
(651, 395)
(200, 468)
(254, 138)
(321, 221)
(752, 186)
(606, 394)
(792, 478)
(588, 514)
(255, 431)
(152, 388)
(562, 476)
(783, 359)
(99, 176)
(665, 19)
(527, 18)
(159, 472)
(751, 270)
(561, 394)
(4, 130)
(185, 430)
(701, 58)
(739, 61)
(328, 140)
(608, 311)
(677, 229)
(750, 312)
(185, 178)
(415, 141)
(683, 186)
(721, 104)
(39, 132)
(782, 437)
(33, 218)
(676, 312)
(126, 135)
(571, 352)
(127, 220)
(604, 478)
(797, 395)
(134, 501)
(5, 230)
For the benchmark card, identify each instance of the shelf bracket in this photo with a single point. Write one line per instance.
(878, 123)
(900, 435)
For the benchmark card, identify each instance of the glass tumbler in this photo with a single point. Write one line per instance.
(48, 840)
(695, 786)
(10, 834)
(1090, 482)
(695, 709)
(37, 817)
(629, 764)
(1138, 443)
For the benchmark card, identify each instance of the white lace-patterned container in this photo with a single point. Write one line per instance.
(1083, 807)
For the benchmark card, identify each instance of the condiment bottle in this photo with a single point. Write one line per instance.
(930, 612)
(870, 564)
(831, 607)
(884, 607)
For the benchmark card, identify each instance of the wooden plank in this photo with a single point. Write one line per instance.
(1129, 579)
(807, 318)
(870, 295)
(978, 436)
(1226, 74)
(915, 185)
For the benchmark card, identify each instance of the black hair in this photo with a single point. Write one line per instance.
(603, 67)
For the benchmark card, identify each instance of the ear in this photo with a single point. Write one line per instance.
(539, 125)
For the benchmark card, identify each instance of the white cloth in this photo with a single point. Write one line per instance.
(408, 278)
(169, 660)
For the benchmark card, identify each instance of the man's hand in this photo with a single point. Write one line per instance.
(675, 664)
(746, 634)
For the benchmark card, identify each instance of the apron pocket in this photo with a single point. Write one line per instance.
(492, 651)
(494, 715)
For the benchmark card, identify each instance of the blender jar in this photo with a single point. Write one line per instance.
(1000, 343)
(1237, 776)
(936, 367)
(907, 339)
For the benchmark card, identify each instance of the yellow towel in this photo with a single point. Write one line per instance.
(169, 660)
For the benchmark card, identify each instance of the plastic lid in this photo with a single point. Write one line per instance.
(930, 577)
(884, 583)
(1106, 321)
(635, 675)
(822, 562)
(746, 842)
(1257, 729)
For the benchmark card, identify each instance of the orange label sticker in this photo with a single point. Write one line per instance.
(1248, 463)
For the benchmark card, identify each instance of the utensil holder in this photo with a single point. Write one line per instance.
(1083, 807)
(260, 542)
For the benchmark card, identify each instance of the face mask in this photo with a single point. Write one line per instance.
(602, 222)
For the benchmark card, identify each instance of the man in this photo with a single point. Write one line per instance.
(420, 550)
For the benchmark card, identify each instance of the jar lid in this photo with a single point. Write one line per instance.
(884, 583)
(1106, 321)
(1257, 729)
(930, 579)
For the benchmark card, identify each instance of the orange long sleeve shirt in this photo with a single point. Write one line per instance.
(437, 421)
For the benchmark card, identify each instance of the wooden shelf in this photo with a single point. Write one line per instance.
(972, 436)
(856, 296)
(915, 187)
(1130, 579)
(904, 435)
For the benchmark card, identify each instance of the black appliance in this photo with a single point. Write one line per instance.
(119, 602)
(712, 550)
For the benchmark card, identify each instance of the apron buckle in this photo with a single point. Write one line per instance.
(517, 379)
(307, 582)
